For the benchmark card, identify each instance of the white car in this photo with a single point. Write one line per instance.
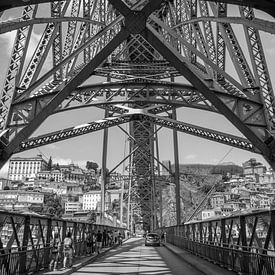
(152, 239)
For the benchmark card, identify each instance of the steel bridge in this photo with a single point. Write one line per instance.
(157, 56)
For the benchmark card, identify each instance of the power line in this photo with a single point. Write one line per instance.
(225, 155)
(209, 193)
(42, 153)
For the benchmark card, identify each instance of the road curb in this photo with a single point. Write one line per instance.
(197, 262)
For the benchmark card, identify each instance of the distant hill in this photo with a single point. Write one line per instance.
(227, 163)
(195, 181)
(206, 169)
(223, 169)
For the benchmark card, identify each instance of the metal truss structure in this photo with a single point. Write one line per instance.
(157, 56)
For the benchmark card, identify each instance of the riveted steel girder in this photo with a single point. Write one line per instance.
(77, 80)
(116, 95)
(90, 127)
(73, 132)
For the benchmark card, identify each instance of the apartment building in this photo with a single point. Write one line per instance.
(23, 168)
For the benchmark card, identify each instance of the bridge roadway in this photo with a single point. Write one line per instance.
(135, 258)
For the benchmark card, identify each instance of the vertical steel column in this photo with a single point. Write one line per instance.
(176, 174)
(209, 232)
(224, 255)
(243, 231)
(272, 225)
(129, 213)
(64, 229)
(48, 242)
(85, 234)
(200, 232)
(153, 193)
(129, 205)
(244, 263)
(104, 170)
(74, 237)
(188, 232)
(121, 203)
(159, 182)
(193, 226)
(223, 233)
(24, 247)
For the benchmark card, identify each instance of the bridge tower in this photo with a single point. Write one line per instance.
(157, 56)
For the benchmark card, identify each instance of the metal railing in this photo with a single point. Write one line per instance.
(26, 240)
(244, 243)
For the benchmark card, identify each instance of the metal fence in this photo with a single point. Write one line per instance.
(26, 240)
(244, 243)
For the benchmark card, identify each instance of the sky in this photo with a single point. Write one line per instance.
(89, 147)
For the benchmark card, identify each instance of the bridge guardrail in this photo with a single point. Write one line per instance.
(25, 245)
(243, 243)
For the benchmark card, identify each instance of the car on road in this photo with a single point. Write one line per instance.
(152, 239)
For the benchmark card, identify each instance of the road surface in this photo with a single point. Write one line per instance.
(135, 258)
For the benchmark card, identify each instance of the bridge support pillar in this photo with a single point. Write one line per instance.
(24, 247)
(244, 264)
(272, 225)
(104, 170)
(176, 174)
(48, 242)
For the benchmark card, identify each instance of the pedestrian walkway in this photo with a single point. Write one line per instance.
(78, 263)
(201, 264)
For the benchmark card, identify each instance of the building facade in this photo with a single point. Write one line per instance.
(19, 200)
(21, 169)
(91, 200)
(72, 173)
(3, 183)
(71, 207)
(53, 175)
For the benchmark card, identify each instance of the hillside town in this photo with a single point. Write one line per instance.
(253, 190)
(35, 185)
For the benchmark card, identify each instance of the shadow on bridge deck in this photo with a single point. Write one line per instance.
(200, 264)
(78, 262)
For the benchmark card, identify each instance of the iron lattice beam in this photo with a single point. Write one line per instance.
(72, 132)
(202, 132)
(111, 95)
(71, 85)
(90, 127)
(202, 86)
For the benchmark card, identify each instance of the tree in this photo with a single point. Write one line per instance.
(221, 187)
(52, 205)
(70, 198)
(50, 164)
(107, 171)
(205, 188)
(115, 205)
(56, 166)
(91, 165)
(91, 217)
